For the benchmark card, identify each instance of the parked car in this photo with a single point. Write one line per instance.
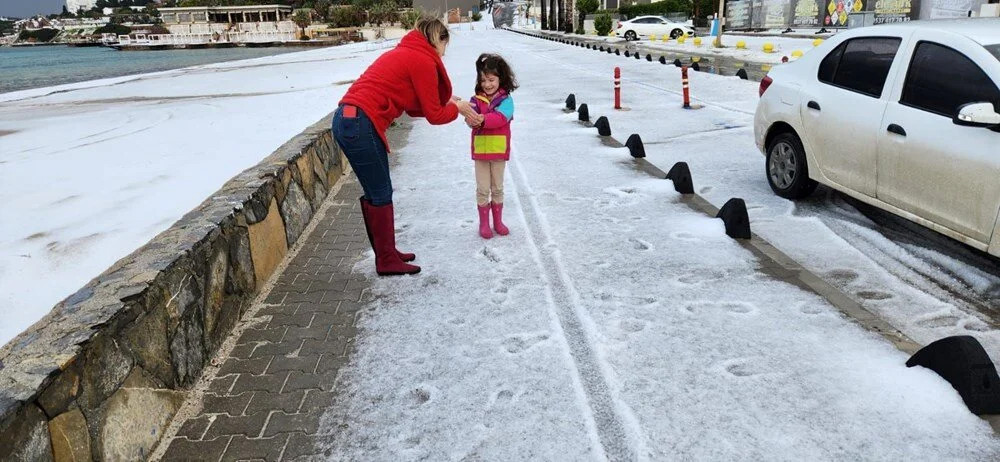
(644, 26)
(903, 117)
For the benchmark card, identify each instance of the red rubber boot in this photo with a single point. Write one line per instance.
(383, 234)
(364, 213)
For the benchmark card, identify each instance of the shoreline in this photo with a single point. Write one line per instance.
(158, 63)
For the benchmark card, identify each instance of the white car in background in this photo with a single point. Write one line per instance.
(644, 26)
(903, 117)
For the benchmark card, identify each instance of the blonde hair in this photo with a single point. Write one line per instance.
(433, 30)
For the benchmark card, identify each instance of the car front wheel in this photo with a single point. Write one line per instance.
(787, 172)
(630, 35)
(676, 33)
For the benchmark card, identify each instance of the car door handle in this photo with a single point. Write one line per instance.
(893, 128)
(813, 105)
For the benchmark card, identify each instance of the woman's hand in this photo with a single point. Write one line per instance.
(474, 122)
(465, 108)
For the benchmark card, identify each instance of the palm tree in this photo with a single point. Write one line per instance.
(545, 19)
(303, 19)
(554, 12)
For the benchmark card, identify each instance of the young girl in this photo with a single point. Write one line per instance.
(491, 138)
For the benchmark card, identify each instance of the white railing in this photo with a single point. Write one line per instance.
(202, 39)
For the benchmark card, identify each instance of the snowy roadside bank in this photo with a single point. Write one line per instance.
(94, 170)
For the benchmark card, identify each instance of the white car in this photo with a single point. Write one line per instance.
(644, 26)
(903, 117)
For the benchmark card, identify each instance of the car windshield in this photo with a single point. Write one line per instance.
(994, 50)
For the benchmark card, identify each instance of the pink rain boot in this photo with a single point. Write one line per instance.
(498, 219)
(484, 221)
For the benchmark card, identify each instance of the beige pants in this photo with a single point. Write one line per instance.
(489, 181)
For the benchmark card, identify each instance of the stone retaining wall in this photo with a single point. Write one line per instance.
(102, 375)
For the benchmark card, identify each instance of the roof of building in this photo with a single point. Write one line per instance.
(226, 8)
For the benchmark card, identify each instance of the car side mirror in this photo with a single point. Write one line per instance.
(977, 115)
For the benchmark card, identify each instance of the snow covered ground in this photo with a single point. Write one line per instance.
(926, 289)
(615, 322)
(91, 171)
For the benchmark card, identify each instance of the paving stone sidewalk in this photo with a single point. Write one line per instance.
(267, 399)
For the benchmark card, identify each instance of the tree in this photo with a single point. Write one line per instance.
(585, 7)
(553, 14)
(545, 18)
(382, 13)
(303, 19)
(409, 18)
(322, 8)
(602, 23)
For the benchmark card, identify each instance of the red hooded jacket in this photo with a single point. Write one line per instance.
(411, 78)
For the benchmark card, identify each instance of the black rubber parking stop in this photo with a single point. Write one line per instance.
(634, 145)
(742, 73)
(627, 53)
(649, 57)
(663, 60)
(680, 174)
(678, 63)
(695, 66)
(963, 362)
(617, 51)
(571, 102)
(583, 114)
(603, 127)
(734, 215)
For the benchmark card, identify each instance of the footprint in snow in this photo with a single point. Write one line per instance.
(976, 326)
(874, 295)
(938, 321)
(640, 244)
(411, 442)
(692, 279)
(682, 236)
(743, 368)
(520, 343)
(490, 254)
(842, 275)
(500, 398)
(632, 325)
(705, 190)
(810, 309)
(737, 308)
(419, 396)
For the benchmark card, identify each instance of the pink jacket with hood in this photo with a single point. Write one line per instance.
(491, 140)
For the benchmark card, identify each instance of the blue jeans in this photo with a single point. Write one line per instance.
(366, 152)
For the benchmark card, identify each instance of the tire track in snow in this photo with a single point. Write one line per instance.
(617, 435)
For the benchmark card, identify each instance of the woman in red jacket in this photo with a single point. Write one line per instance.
(410, 78)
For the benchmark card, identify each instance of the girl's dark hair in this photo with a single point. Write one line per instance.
(489, 63)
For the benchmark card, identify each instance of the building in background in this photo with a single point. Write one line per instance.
(225, 14)
(438, 7)
(74, 5)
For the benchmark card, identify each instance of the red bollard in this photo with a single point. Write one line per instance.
(618, 88)
(684, 83)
